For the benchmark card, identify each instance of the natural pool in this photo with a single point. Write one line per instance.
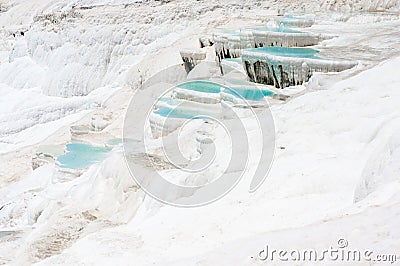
(83, 129)
(114, 142)
(166, 102)
(164, 99)
(295, 21)
(177, 113)
(5, 233)
(249, 93)
(283, 51)
(280, 36)
(221, 31)
(81, 155)
(284, 67)
(270, 29)
(201, 86)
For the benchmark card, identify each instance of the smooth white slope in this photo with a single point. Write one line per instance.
(330, 137)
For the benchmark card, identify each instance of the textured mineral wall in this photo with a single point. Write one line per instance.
(283, 71)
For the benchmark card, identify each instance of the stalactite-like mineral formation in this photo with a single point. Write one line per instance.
(192, 58)
(283, 67)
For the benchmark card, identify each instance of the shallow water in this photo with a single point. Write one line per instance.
(287, 52)
(169, 101)
(176, 113)
(249, 93)
(81, 128)
(201, 86)
(273, 29)
(5, 233)
(80, 155)
(115, 141)
(233, 32)
(292, 21)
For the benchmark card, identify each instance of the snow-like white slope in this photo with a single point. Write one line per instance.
(330, 137)
(340, 141)
(65, 5)
(70, 52)
(79, 51)
(73, 53)
(365, 5)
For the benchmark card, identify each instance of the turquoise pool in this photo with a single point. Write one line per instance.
(249, 93)
(164, 99)
(169, 101)
(114, 141)
(5, 233)
(227, 31)
(176, 113)
(293, 21)
(235, 81)
(273, 29)
(286, 52)
(201, 86)
(80, 155)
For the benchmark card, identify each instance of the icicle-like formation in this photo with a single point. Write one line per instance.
(227, 44)
(295, 21)
(232, 64)
(282, 37)
(192, 58)
(284, 67)
(203, 139)
(206, 41)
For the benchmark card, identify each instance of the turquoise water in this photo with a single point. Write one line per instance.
(115, 141)
(169, 101)
(300, 17)
(164, 99)
(201, 86)
(237, 60)
(291, 16)
(291, 20)
(235, 81)
(227, 31)
(81, 128)
(249, 93)
(80, 155)
(176, 113)
(287, 52)
(274, 29)
(5, 233)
